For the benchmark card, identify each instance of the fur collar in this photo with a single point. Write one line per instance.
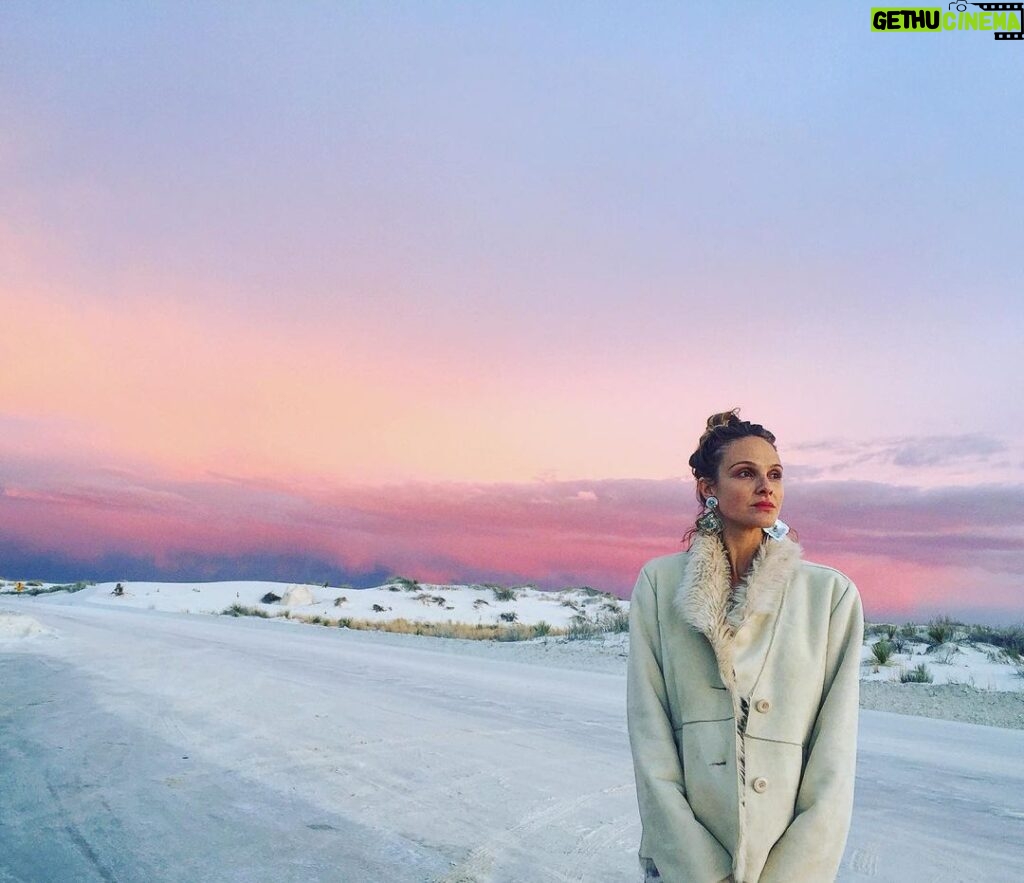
(704, 600)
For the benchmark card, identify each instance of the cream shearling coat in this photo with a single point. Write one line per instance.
(743, 715)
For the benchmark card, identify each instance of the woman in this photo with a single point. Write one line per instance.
(743, 685)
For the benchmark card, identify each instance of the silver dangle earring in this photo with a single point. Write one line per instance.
(709, 522)
(778, 530)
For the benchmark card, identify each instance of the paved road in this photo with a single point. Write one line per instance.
(138, 746)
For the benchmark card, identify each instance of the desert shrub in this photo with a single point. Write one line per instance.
(940, 630)
(580, 628)
(242, 610)
(571, 604)
(403, 583)
(919, 674)
(909, 631)
(480, 602)
(341, 599)
(899, 643)
(510, 616)
(502, 593)
(541, 629)
(890, 631)
(617, 622)
(377, 608)
(882, 650)
(49, 590)
(1009, 640)
(514, 633)
(270, 598)
(34, 582)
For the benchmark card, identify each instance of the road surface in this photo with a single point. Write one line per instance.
(145, 746)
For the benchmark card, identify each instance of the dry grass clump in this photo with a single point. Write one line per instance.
(474, 632)
(919, 674)
(477, 632)
(242, 610)
(515, 631)
(611, 619)
(581, 627)
(37, 588)
(616, 622)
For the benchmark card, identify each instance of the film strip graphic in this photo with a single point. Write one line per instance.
(1002, 7)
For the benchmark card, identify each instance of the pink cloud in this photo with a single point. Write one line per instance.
(908, 551)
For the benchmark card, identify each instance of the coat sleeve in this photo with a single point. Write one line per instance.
(812, 846)
(681, 847)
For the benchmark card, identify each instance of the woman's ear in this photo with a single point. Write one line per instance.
(705, 488)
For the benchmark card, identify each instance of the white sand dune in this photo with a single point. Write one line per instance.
(422, 603)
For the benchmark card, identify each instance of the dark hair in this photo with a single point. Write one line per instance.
(720, 430)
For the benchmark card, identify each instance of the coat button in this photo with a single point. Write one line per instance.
(760, 784)
(762, 705)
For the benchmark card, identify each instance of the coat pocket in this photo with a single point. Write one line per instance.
(707, 753)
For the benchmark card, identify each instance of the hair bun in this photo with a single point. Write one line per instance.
(725, 418)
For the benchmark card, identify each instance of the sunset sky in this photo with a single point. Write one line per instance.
(332, 291)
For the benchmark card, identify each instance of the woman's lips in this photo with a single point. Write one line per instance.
(766, 506)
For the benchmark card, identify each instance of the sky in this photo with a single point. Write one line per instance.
(336, 291)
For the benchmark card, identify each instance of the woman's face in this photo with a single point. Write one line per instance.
(749, 484)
